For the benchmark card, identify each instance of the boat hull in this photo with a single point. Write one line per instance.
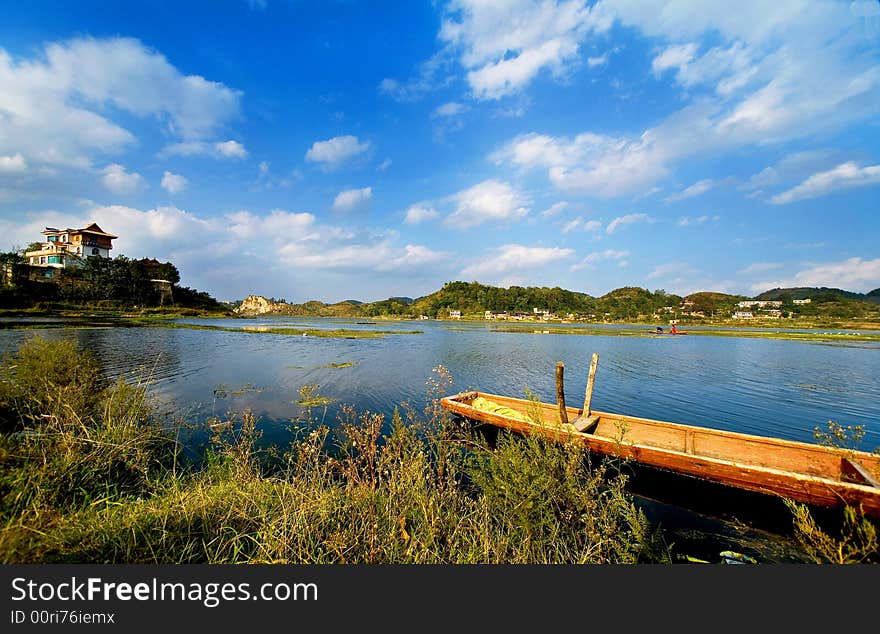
(803, 472)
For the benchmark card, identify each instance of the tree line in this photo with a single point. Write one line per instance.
(119, 281)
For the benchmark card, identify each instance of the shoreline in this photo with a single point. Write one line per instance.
(836, 331)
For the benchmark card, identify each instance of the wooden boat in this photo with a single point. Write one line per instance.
(804, 472)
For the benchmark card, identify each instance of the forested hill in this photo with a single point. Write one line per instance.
(473, 299)
(622, 304)
(819, 293)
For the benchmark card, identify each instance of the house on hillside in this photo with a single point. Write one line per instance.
(64, 248)
(802, 302)
(743, 315)
(454, 314)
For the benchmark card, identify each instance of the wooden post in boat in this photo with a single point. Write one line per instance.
(560, 392)
(586, 421)
(590, 379)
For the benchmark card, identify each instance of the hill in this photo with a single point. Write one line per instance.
(632, 302)
(257, 305)
(711, 303)
(804, 292)
(473, 298)
(628, 303)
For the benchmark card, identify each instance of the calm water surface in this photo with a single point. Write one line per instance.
(761, 386)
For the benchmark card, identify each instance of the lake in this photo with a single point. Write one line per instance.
(769, 387)
(779, 388)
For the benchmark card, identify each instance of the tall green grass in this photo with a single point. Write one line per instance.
(88, 474)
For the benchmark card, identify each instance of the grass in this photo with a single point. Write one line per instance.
(89, 474)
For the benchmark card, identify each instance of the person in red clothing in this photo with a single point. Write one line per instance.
(673, 331)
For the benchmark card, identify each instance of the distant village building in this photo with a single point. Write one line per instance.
(743, 315)
(801, 302)
(64, 248)
(760, 304)
(492, 314)
(454, 314)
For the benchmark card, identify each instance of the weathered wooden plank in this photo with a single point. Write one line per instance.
(560, 392)
(854, 471)
(588, 396)
(586, 424)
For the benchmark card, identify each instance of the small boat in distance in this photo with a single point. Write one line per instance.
(808, 473)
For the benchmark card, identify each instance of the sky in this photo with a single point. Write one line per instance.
(360, 150)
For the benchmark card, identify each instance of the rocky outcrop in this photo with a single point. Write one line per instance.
(258, 305)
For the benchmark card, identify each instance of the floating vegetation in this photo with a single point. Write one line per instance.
(249, 387)
(309, 397)
(338, 333)
(344, 364)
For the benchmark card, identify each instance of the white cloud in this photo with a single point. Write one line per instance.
(490, 200)
(352, 198)
(420, 212)
(573, 224)
(687, 221)
(591, 260)
(428, 79)
(336, 151)
(796, 165)
(173, 183)
(218, 149)
(449, 109)
(228, 251)
(119, 181)
(513, 257)
(580, 223)
(589, 163)
(381, 255)
(665, 271)
(843, 176)
(272, 227)
(853, 274)
(230, 149)
(624, 221)
(698, 188)
(14, 164)
(599, 60)
(384, 165)
(778, 72)
(673, 57)
(56, 106)
(505, 45)
(553, 209)
(760, 267)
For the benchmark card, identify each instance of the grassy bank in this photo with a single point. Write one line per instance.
(88, 474)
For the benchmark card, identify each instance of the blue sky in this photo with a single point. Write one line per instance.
(361, 150)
